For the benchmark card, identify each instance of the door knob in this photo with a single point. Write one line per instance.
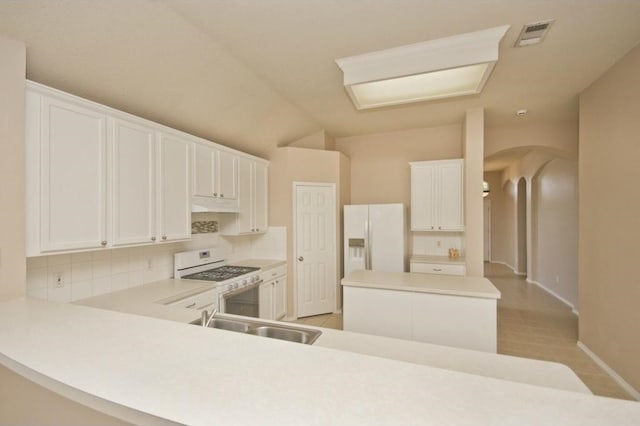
(301, 258)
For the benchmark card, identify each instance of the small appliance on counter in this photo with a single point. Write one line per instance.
(237, 287)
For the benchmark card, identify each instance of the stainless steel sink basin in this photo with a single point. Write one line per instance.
(289, 334)
(264, 329)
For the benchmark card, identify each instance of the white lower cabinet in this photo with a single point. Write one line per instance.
(97, 177)
(273, 293)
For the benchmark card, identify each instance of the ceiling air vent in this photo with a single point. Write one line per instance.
(533, 33)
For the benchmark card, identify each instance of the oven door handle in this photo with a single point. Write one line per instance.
(242, 290)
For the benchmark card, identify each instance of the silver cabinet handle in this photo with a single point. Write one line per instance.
(221, 195)
(103, 243)
(153, 238)
(215, 194)
(439, 227)
(191, 305)
(437, 269)
(164, 238)
(257, 229)
(432, 227)
(301, 258)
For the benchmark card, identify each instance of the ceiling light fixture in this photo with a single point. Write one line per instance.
(521, 112)
(452, 66)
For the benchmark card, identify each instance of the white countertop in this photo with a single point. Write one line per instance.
(424, 283)
(192, 375)
(443, 260)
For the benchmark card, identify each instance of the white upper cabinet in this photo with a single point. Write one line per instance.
(133, 178)
(67, 179)
(437, 195)
(215, 178)
(174, 198)
(252, 199)
(99, 178)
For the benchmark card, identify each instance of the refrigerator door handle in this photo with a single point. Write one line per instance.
(366, 245)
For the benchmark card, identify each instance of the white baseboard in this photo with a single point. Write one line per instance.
(554, 294)
(610, 371)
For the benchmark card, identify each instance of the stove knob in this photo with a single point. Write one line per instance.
(244, 282)
(236, 285)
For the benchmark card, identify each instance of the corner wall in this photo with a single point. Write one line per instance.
(12, 219)
(473, 148)
(609, 208)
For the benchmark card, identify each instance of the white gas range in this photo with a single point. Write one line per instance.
(237, 287)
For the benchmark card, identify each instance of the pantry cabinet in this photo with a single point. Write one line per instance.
(252, 199)
(437, 195)
(215, 176)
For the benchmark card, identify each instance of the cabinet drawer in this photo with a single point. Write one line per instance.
(438, 268)
(204, 300)
(272, 273)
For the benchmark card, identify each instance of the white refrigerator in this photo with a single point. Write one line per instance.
(374, 237)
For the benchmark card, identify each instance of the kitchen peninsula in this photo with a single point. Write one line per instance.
(446, 310)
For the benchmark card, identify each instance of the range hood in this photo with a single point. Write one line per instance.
(214, 205)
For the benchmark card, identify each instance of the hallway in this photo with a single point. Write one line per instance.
(534, 324)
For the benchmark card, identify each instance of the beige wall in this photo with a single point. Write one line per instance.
(12, 213)
(473, 148)
(555, 229)
(318, 140)
(290, 165)
(498, 220)
(380, 170)
(609, 208)
(562, 137)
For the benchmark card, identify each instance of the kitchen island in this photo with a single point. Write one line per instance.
(446, 310)
(151, 371)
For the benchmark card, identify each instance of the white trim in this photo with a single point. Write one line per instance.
(554, 294)
(294, 280)
(505, 264)
(610, 371)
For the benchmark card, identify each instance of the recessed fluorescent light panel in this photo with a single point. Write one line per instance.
(436, 69)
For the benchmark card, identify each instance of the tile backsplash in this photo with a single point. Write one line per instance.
(69, 277)
(437, 244)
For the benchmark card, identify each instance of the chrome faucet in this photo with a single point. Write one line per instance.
(206, 319)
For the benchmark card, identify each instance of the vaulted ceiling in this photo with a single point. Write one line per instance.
(255, 74)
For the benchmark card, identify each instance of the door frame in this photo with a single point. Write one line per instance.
(294, 220)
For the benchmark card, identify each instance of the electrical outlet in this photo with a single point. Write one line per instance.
(59, 280)
(149, 264)
(557, 279)
(439, 243)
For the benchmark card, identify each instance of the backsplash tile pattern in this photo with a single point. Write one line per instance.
(437, 243)
(95, 273)
(203, 223)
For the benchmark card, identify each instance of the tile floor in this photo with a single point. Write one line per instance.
(531, 324)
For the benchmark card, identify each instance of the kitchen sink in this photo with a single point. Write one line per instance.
(289, 334)
(264, 329)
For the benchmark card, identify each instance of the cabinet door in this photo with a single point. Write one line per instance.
(203, 170)
(260, 180)
(450, 216)
(133, 183)
(245, 204)
(423, 181)
(227, 175)
(266, 301)
(73, 176)
(174, 211)
(280, 297)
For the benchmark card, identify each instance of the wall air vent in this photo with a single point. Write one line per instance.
(533, 33)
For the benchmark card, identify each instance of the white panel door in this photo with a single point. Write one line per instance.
(423, 181)
(203, 169)
(227, 175)
(315, 227)
(260, 182)
(449, 200)
(386, 237)
(73, 177)
(174, 198)
(133, 179)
